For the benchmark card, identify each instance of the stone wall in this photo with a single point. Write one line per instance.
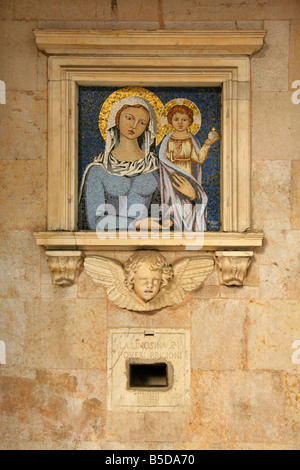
(245, 388)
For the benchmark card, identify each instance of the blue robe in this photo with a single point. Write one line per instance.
(113, 202)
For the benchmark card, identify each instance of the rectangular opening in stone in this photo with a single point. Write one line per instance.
(148, 375)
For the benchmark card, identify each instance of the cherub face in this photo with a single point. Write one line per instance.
(133, 122)
(147, 283)
(180, 122)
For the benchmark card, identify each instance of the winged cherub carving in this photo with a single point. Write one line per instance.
(147, 282)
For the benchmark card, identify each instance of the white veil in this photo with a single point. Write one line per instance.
(112, 140)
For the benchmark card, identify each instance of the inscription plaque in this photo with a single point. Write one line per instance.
(139, 346)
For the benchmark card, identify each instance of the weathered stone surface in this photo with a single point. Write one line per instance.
(125, 427)
(145, 427)
(271, 182)
(280, 266)
(52, 408)
(207, 394)
(237, 406)
(273, 327)
(101, 24)
(272, 126)
(295, 121)
(292, 405)
(225, 10)
(295, 196)
(269, 67)
(178, 316)
(92, 10)
(217, 334)
(13, 327)
(121, 318)
(23, 131)
(255, 404)
(19, 265)
(87, 289)
(294, 70)
(166, 427)
(52, 291)
(23, 194)
(195, 24)
(294, 9)
(6, 9)
(42, 10)
(66, 334)
(18, 70)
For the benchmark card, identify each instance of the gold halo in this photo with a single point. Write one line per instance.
(125, 93)
(168, 128)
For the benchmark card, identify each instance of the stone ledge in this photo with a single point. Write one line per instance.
(88, 241)
(96, 42)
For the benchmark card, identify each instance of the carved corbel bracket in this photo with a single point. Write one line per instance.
(64, 266)
(233, 266)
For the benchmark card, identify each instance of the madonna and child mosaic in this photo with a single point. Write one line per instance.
(149, 159)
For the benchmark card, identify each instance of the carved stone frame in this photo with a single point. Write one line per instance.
(144, 58)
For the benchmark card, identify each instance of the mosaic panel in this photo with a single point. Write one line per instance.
(146, 181)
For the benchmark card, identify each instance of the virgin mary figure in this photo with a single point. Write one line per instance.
(119, 186)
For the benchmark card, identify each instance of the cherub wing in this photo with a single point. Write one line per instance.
(110, 274)
(189, 274)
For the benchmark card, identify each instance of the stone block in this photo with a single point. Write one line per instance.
(166, 427)
(125, 427)
(52, 291)
(42, 10)
(222, 10)
(87, 289)
(208, 407)
(295, 195)
(292, 405)
(279, 270)
(18, 54)
(239, 292)
(271, 183)
(42, 72)
(217, 334)
(121, 318)
(294, 9)
(23, 131)
(294, 70)
(101, 24)
(91, 10)
(47, 410)
(23, 194)
(6, 10)
(66, 334)
(136, 10)
(195, 24)
(13, 327)
(273, 327)
(250, 25)
(272, 126)
(269, 68)
(255, 407)
(19, 265)
(178, 316)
